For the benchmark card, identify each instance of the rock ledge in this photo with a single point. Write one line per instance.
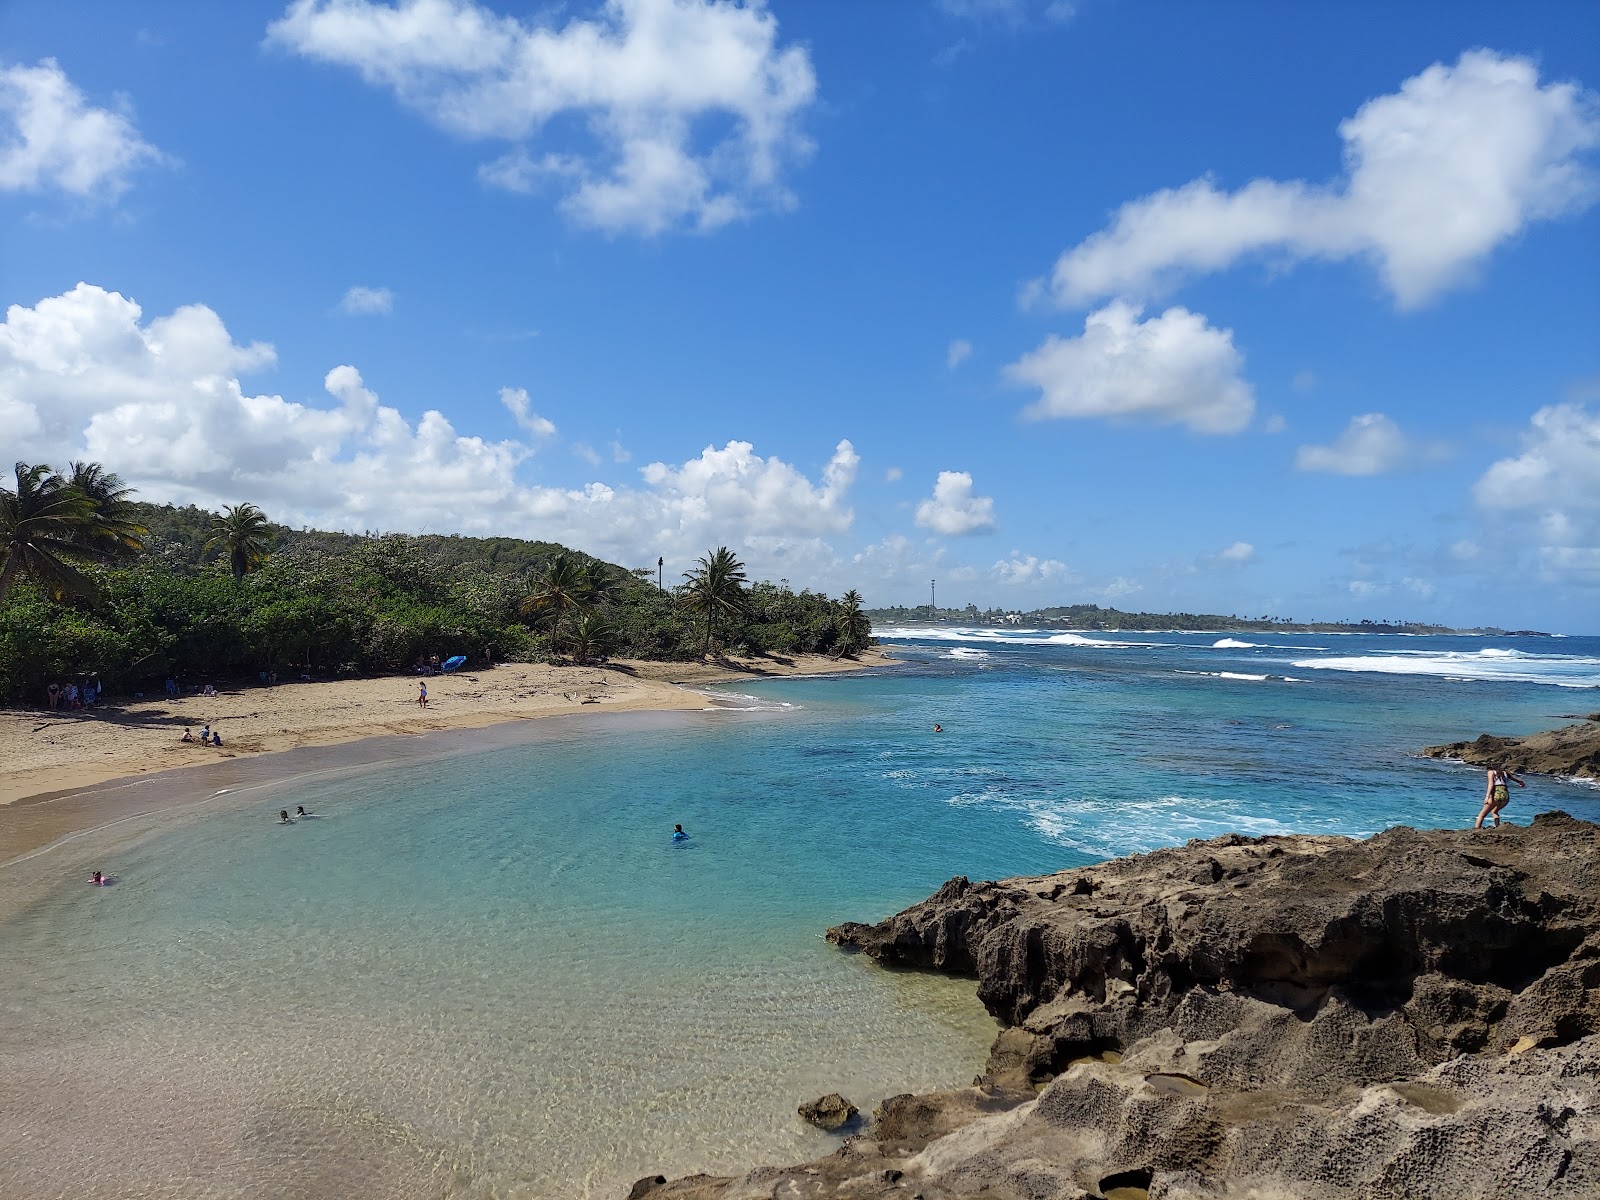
(1414, 1015)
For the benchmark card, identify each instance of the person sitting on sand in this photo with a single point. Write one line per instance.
(188, 734)
(208, 690)
(283, 817)
(216, 738)
(1496, 794)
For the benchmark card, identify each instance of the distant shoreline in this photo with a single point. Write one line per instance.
(1162, 623)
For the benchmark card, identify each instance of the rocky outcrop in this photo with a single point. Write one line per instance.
(1571, 750)
(1414, 1015)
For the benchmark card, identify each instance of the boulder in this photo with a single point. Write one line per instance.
(829, 1112)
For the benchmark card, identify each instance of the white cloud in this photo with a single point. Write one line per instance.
(1437, 175)
(518, 405)
(1371, 444)
(893, 475)
(52, 137)
(1121, 586)
(953, 509)
(1238, 553)
(620, 453)
(1554, 484)
(1011, 12)
(367, 301)
(1174, 368)
(587, 452)
(692, 107)
(1465, 550)
(84, 375)
(1021, 570)
(958, 352)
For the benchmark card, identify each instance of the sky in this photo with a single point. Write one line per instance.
(1247, 308)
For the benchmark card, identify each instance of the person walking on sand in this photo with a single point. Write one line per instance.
(422, 694)
(1497, 794)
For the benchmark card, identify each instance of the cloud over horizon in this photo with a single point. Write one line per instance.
(52, 137)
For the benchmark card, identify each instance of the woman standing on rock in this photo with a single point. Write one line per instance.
(1496, 794)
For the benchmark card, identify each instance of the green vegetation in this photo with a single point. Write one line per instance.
(92, 582)
(1094, 617)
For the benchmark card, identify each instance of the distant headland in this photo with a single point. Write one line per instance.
(1114, 620)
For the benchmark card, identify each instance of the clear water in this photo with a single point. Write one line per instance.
(493, 974)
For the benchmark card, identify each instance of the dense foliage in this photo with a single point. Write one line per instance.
(207, 597)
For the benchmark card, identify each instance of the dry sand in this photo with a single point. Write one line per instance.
(58, 754)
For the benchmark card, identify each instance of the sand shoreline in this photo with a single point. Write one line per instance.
(62, 769)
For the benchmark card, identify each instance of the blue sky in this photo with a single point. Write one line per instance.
(1248, 307)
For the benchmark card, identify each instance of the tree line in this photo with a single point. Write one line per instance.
(94, 582)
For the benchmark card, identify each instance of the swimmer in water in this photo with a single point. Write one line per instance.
(938, 728)
(283, 817)
(678, 834)
(300, 811)
(97, 878)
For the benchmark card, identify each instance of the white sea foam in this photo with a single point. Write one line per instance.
(1010, 636)
(1492, 664)
(967, 652)
(1241, 675)
(1234, 644)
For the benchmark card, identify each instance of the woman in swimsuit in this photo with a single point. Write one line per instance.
(1496, 794)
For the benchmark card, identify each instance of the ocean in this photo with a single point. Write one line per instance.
(489, 971)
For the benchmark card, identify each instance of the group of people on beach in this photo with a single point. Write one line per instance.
(208, 736)
(64, 697)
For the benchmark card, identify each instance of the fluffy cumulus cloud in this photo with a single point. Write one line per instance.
(1554, 485)
(1171, 369)
(521, 410)
(954, 509)
(52, 137)
(85, 375)
(1023, 570)
(1371, 444)
(1436, 175)
(367, 301)
(1237, 554)
(691, 106)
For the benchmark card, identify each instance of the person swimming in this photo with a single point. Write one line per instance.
(938, 728)
(300, 811)
(283, 817)
(678, 835)
(98, 879)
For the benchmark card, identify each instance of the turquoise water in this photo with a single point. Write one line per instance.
(493, 974)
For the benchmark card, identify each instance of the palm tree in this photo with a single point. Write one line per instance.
(598, 582)
(855, 630)
(715, 588)
(42, 527)
(244, 534)
(593, 635)
(561, 587)
(113, 527)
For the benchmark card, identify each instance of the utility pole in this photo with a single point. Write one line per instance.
(933, 602)
(661, 564)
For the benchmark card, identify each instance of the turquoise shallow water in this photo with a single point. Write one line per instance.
(492, 974)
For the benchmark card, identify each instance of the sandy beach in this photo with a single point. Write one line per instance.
(48, 754)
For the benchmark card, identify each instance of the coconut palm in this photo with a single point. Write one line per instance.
(244, 534)
(715, 589)
(592, 636)
(855, 629)
(112, 528)
(561, 587)
(42, 527)
(598, 582)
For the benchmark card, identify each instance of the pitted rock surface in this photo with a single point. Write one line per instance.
(1416, 1014)
(1571, 750)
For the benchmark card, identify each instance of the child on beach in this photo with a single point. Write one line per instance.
(1496, 794)
(422, 695)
